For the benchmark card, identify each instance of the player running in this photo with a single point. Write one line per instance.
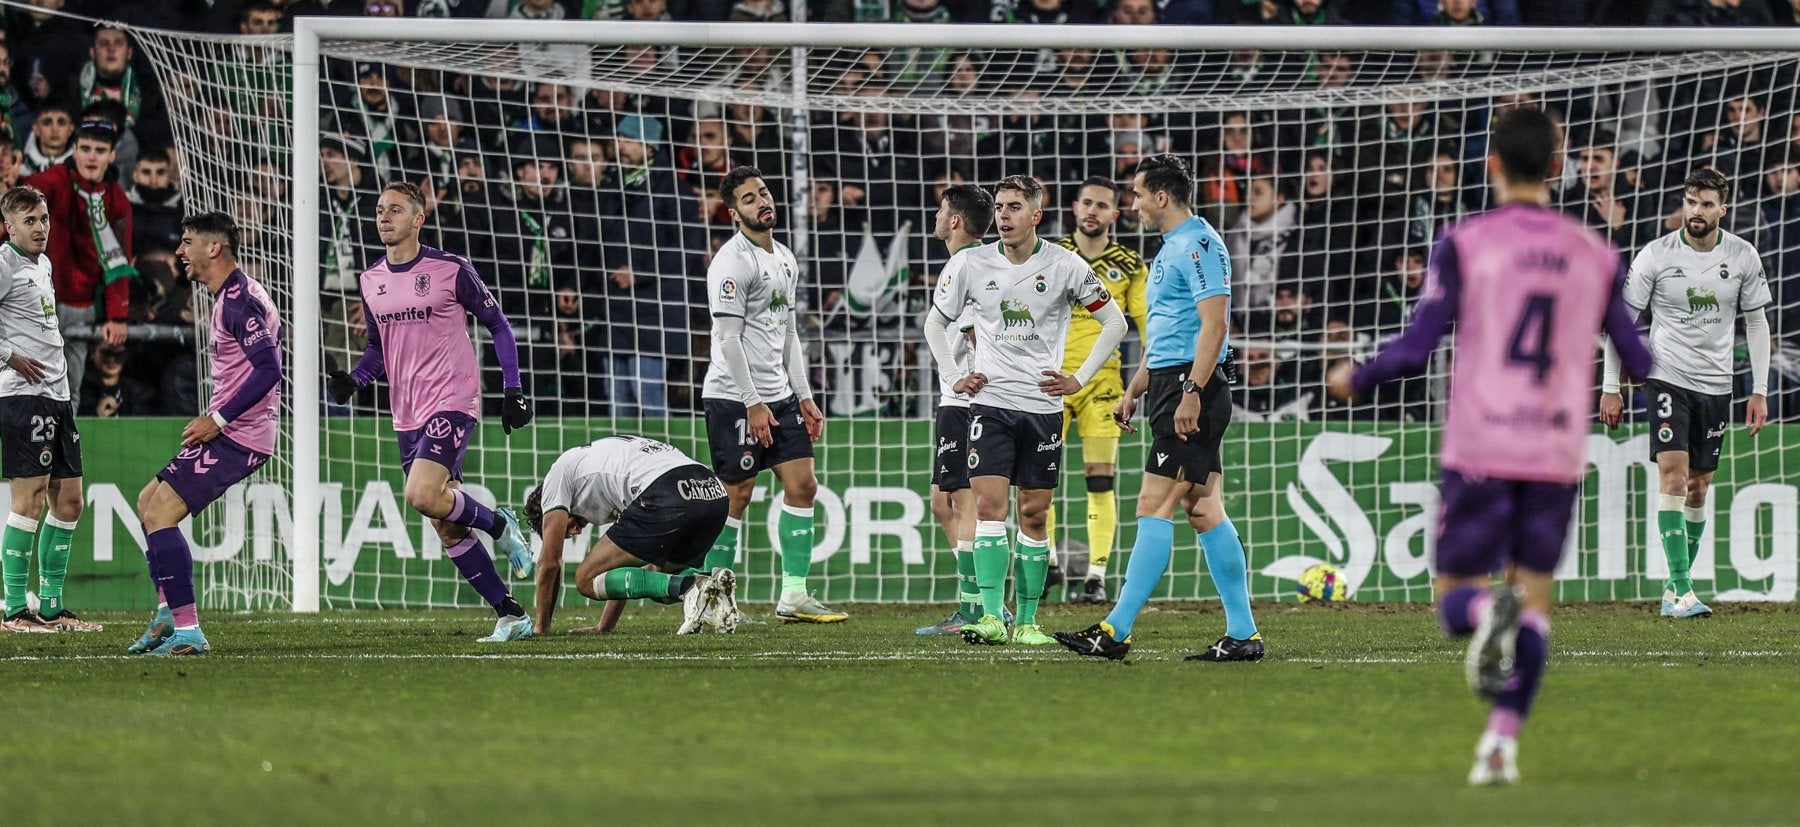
(963, 214)
(1527, 288)
(1022, 290)
(665, 511)
(1122, 272)
(1190, 407)
(416, 299)
(1694, 283)
(759, 407)
(40, 450)
(222, 446)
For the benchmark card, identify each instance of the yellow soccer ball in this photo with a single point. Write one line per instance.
(1322, 583)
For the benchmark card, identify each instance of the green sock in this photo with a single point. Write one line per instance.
(630, 584)
(1034, 565)
(15, 559)
(1696, 526)
(796, 527)
(54, 540)
(991, 556)
(724, 549)
(966, 588)
(1675, 548)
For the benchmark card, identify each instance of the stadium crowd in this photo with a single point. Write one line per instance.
(592, 212)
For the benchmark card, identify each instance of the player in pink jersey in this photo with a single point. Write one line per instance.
(222, 446)
(414, 302)
(1528, 289)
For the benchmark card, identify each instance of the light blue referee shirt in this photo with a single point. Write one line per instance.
(1191, 266)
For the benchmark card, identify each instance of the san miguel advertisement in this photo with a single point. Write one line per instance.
(1363, 498)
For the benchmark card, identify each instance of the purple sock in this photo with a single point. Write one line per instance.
(477, 567)
(1529, 656)
(1459, 610)
(174, 572)
(468, 511)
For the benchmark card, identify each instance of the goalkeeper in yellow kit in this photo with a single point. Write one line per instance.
(1122, 271)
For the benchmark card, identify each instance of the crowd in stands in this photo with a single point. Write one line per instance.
(593, 211)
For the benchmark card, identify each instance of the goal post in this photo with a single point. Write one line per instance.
(866, 120)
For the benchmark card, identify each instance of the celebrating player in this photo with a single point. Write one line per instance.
(1527, 289)
(220, 447)
(1022, 290)
(1122, 272)
(1190, 407)
(415, 299)
(40, 451)
(759, 407)
(665, 510)
(1694, 283)
(963, 214)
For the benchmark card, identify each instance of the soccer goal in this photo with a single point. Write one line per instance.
(575, 163)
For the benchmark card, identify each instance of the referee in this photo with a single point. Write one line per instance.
(1184, 374)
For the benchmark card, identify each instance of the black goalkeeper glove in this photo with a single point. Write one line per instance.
(340, 386)
(515, 412)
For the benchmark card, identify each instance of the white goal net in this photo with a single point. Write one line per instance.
(581, 181)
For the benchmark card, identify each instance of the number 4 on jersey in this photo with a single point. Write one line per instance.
(1531, 336)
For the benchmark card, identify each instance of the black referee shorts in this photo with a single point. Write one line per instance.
(1197, 456)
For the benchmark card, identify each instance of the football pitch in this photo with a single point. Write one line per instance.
(1358, 716)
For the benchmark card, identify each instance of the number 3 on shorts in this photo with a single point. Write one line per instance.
(1665, 405)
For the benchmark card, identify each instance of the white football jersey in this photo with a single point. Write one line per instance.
(1021, 315)
(1694, 300)
(963, 351)
(597, 481)
(28, 324)
(759, 287)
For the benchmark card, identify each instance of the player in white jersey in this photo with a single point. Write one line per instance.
(758, 399)
(1023, 289)
(40, 451)
(1694, 283)
(964, 213)
(664, 511)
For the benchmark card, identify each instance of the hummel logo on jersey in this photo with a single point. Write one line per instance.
(380, 289)
(1161, 458)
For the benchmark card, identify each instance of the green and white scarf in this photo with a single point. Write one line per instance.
(129, 92)
(113, 263)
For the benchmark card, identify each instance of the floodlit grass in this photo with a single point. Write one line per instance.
(1359, 716)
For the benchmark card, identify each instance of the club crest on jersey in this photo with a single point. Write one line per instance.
(747, 462)
(1701, 299)
(1665, 433)
(44, 457)
(1724, 272)
(1014, 313)
(422, 284)
(974, 459)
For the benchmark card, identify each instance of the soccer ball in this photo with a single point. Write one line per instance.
(1323, 583)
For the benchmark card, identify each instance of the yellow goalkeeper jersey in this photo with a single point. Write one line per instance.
(1123, 272)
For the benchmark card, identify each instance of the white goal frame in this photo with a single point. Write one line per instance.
(311, 32)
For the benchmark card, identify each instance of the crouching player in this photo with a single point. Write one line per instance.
(665, 509)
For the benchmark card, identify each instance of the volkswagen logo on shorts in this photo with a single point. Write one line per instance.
(437, 428)
(190, 452)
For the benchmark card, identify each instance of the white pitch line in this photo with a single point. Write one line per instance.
(830, 656)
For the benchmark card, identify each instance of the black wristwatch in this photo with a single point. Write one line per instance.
(1188, 386)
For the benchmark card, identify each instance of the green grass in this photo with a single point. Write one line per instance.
(1359, 716)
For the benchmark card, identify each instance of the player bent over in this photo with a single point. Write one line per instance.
(1527, 289)
(221, 447)
(666, 510)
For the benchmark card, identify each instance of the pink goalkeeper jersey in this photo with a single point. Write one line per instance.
(416, 315)
(245, 331)
(1532, 288)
